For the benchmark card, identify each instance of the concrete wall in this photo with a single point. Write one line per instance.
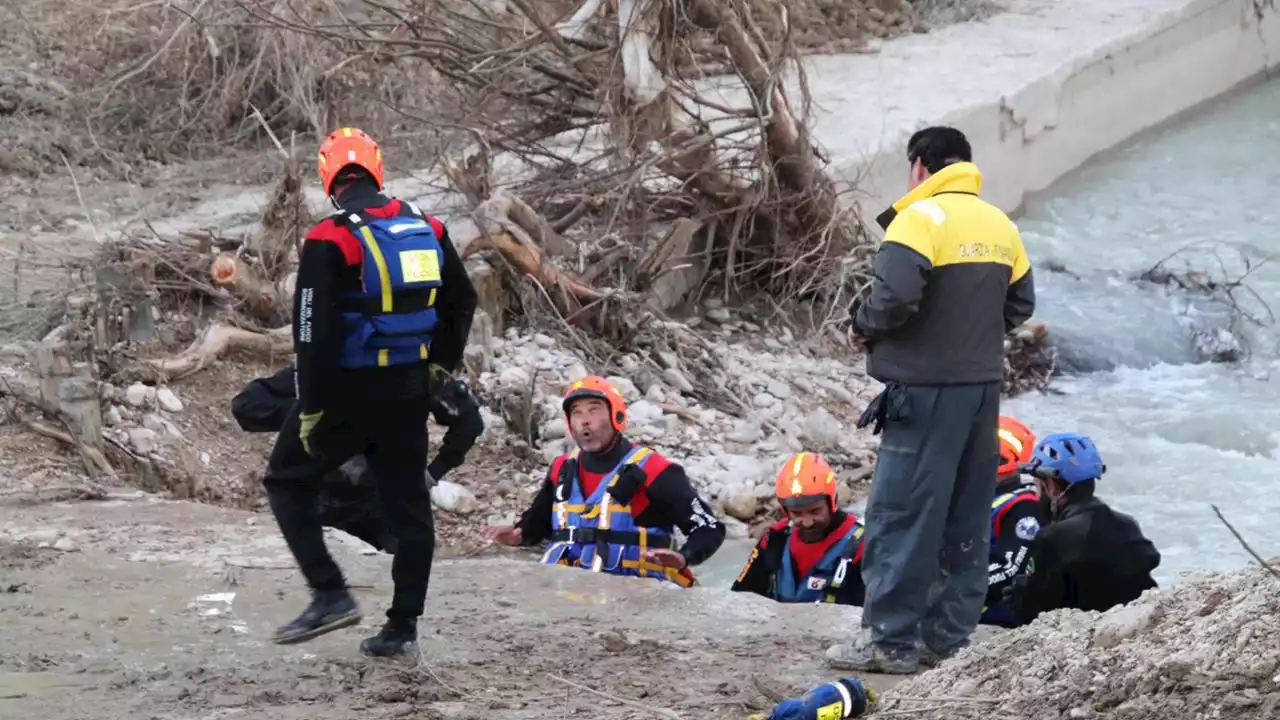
(1041, 128)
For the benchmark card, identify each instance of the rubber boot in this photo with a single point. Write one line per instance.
(329, 610)
(395, 639)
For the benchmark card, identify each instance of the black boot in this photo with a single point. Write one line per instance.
(329, 610)
(396, 638)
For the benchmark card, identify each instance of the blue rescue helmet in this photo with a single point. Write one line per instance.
(1069, 457)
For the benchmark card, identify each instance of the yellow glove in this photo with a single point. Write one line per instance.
(308, 426)
(437, 376)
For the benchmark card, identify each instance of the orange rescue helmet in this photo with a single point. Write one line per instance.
(1017, 443)
(805, 478)
(346, 147)
(594, 386)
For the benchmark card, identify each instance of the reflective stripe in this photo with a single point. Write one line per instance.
(1010, 438)
(381, 262)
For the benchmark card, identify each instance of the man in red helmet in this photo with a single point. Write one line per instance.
(814, 553)
(610, 506)
(381, 314)
(1016, 518)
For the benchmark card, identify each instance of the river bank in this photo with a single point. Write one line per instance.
(130, 606)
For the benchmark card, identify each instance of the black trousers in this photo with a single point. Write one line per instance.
(386, 419)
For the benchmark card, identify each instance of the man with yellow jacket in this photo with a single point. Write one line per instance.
(951, 279)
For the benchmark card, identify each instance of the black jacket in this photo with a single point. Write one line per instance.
(1090, 558)
(263, 404)
(1013, 532)
(951, 278)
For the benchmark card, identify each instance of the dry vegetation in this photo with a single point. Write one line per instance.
(617, 160)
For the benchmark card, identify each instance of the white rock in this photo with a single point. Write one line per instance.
(64, 545)
(554, 429)
(668, 360)
(553, 450)
(112, 416)
(676, 380)
(629, 363)
(139, 395)
(577, 372)
(654, 394)
(205, 458)
(803, 385)
(668, 423)
(842, 393)
(764, 400)
(143, 440)
(772, 344)
(544, 341)
(778, 389)
(454, 498)
(643, 412)
(821, 428)
(742, 506)
(1120, 624)
(628, 389)
(719, 315)
(514, 377)
(742, 471)
(168, 401)
(744, 431)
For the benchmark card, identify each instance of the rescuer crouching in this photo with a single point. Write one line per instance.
(814, 554)
(610, 506)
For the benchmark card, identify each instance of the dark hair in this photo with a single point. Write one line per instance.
(937, 147)
(1077, 491)
(351, 175)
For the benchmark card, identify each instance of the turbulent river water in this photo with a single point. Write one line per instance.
(1177, 433)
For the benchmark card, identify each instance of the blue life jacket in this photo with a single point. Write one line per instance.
(998, 613)
(599, 533)
(843, 698)
(827, 576)
(390, 320)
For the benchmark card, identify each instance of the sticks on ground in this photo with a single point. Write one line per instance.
(660, 712)
(219, 339)
(1240, 539)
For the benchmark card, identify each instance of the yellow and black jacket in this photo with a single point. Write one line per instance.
(951, 278)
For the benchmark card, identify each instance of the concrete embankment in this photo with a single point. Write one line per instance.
(1038, 89)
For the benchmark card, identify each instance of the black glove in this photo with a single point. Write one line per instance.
(891, 404)
(1011, 596)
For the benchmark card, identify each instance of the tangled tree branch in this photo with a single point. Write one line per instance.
(606, 136)
(1226, 287)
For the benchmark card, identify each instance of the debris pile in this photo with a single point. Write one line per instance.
(730, 402)
(1209, 648)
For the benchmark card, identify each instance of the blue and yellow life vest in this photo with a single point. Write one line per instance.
(828, 574)
(600, 533)
(998, 507)
(997, 612)
(390, 321)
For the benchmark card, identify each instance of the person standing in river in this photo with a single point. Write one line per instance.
(951, 278)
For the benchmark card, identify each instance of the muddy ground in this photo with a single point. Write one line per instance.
(137, 607)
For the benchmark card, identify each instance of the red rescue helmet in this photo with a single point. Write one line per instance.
(805, 478)
(1017, 443)
(594, 386)
(344, 148)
